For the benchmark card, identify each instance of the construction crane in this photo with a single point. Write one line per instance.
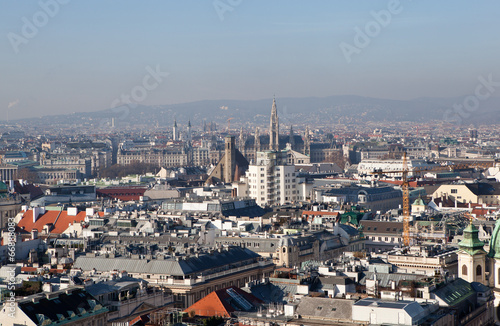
(405, 187)
(229, 123)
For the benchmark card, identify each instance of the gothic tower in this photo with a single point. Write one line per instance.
(241, 142)
(230, 159)
(189, 132)
(274, 128)
(257, 140)
(175, 131)
(471, 256)
(307, 144)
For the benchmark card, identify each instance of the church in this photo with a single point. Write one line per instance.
(273, 141)
(475, 265)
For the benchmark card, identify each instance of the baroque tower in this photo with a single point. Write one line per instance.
(274, 128)
(471, 256)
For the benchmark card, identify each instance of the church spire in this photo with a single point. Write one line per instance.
(257, 139)
(175, 131)
(189, 132)
(307, 144)
(274, 128)
(241, 141)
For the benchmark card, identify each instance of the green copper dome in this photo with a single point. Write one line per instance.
(471, 243)
(495, 242)
(419, 201)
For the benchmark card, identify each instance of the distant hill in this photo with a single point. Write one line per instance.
(298, 111)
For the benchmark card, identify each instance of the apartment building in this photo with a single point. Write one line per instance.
(271, 180)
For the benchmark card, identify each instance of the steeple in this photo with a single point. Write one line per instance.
(471, 256)
(241, 141)
(189, 131)
(257, 140)
(175, 131)
(307, 144)
(471, 243)
(274, 128)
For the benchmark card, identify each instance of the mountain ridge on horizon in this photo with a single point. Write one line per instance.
(291, 110)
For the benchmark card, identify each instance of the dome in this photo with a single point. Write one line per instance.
(495, 242)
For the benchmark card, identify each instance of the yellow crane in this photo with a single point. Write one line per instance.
(405, 187)
(406, 191)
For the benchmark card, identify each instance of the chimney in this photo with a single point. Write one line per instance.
(72, 211)
(36, 212)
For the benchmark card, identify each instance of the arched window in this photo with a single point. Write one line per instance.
(479, 270)
(498, 276)
(464, 270)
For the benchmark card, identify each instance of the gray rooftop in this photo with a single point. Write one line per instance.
(192, 265)
(327, 308)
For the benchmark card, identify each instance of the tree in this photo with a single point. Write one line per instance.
(28, 175)
(119, 171)
(213, 321)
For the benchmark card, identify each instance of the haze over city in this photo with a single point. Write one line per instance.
(81, 56)
(249, 163)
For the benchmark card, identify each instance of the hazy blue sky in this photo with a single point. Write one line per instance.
(90, 52)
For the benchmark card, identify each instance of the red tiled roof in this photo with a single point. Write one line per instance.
(312, 214)
(28, 269)
(132, 193)
(217, 303)
(480, 211)
(58, 271)
(319, 213)
(59, 219)
(64, 221)
(140, 320)
(27, 220)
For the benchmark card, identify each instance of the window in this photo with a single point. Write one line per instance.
(454, 191)
(464, 270)
(479, 270)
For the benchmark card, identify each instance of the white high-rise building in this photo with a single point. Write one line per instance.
(271, 180)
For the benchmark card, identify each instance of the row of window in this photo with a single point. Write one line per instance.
(386, 239)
